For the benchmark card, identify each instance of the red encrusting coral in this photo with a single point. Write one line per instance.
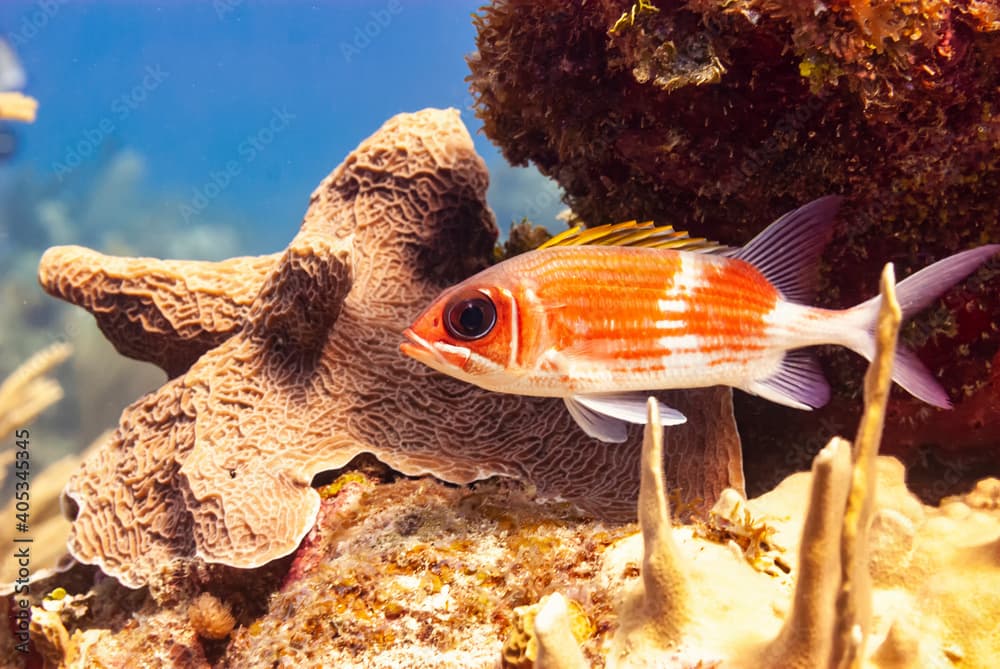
(719, 117)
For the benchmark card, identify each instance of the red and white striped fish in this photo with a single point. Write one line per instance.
(597, 324)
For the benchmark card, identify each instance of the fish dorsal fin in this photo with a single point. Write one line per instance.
(799, 382)
(787, 251)
(632, 233)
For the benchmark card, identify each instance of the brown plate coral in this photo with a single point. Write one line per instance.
(287, 365)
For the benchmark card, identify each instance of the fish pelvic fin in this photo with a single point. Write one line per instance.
(605, 416)
(787, 251)
(914, 293)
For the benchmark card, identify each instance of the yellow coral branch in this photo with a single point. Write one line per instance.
(657, 613)
(25, 393)
(557, 646)
(18, 107)
(854, 599)
(663, 580)
(627, 19)
(805, 638)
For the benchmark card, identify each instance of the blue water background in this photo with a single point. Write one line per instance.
(274, 93)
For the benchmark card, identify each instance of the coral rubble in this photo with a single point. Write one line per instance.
(285, 366)
(717, 117)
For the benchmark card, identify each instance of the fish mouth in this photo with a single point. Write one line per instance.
(420, 349)
(450, 360)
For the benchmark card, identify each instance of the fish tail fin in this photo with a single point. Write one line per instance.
(913, 294)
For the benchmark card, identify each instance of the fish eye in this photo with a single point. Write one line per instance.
(470, 315)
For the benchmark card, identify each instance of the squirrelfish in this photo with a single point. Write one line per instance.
(599, 325)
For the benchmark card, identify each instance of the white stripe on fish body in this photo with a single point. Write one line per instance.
(515, 330)
(690, 277)
(669, 324)
(791, 326)
(691, 274)
(559, 375)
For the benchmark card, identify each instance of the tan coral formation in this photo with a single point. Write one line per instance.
(285, 366)
(189, 308)
(920, 587)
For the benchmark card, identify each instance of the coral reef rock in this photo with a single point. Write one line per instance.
(287, 365)
(415, 573)
(717, 117)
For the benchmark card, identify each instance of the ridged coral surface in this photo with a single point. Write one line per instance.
(286, 366)
(717, 117)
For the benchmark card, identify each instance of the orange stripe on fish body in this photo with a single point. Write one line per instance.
(603, 311)
(596, 306)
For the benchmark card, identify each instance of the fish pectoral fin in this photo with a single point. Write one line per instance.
(603, 416)
(798, 383)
